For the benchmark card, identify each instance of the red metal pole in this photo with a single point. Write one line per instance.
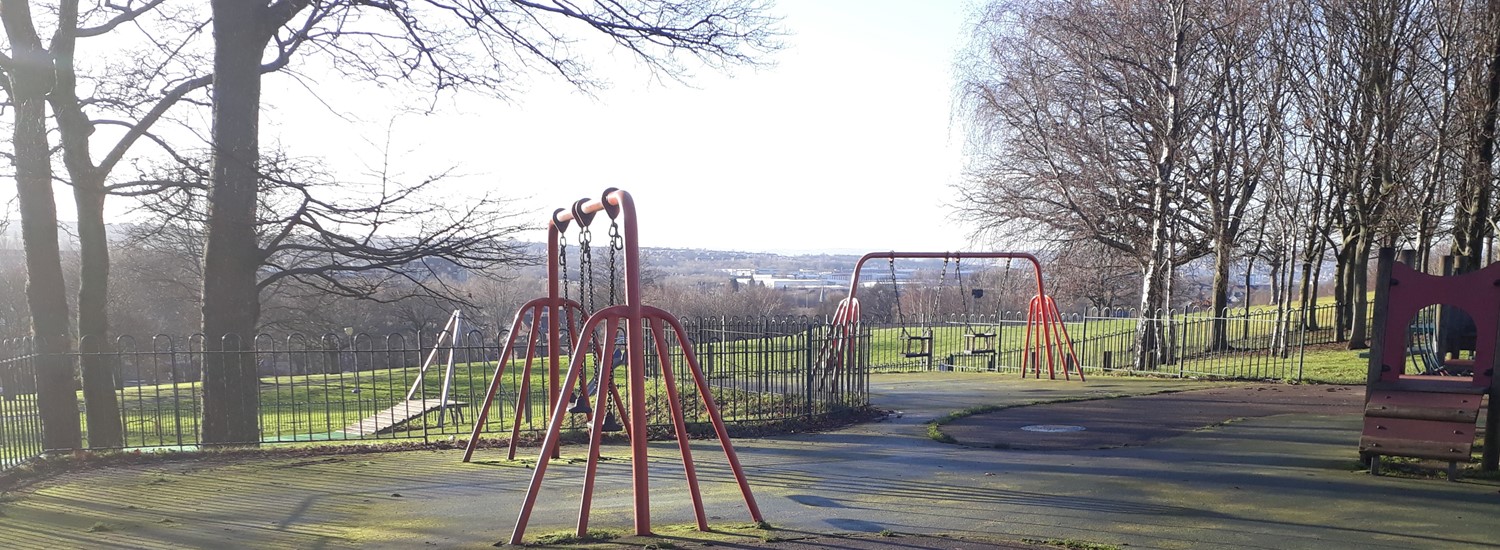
(1047, 337)
(713, 412)
(596, 429)
(489, 395)
(554, 355)
(524, 391)
(1067, 340)
(679, 424)
(1027, 346)
(619, 203)
(639, 467)
(549, 443)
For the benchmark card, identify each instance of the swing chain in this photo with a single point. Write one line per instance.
(963, 296)
(932, 316)
(585, 267)
(1005, 288)
(896, 287)
(562, 262)
(616, 243)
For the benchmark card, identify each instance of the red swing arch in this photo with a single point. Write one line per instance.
(1046, 340)
(562, 320)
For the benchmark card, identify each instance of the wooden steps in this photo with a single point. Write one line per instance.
(1434, 425)
(403, 412)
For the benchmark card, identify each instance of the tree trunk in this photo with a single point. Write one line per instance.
(1156, 276)
(231, 302)
(99, 377)
(1249, 268)
(1359, 282)
(1219, 332)
(1341, 301)
(105, 429)
(1313, 276)
(1149, 330)
(30, 79)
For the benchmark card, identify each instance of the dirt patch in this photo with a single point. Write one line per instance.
(1133, 421)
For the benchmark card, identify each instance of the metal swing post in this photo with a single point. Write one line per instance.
(634, 315)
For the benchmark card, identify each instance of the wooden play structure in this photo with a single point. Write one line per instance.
(416, 405)
(611, 337)
(1046, 340)
(1431, 416)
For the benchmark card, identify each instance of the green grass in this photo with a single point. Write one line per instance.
(317, 407)
(1333, 365)
(562, 538)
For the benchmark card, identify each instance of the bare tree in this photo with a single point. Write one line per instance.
(471, 44)
(1100, 276)
(30, 76)
(1240, 136)
(135, 98)
(1082, 116)
(131, 90)
(1475, 215)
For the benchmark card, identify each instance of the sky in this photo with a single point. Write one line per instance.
(846, 143)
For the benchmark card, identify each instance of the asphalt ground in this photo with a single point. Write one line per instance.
(1256, 466)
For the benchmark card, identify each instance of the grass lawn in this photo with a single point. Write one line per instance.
(749, 386)
(1333, 364)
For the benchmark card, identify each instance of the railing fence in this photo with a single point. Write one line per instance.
(762, 370)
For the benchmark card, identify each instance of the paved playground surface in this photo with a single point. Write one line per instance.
(1255, 476)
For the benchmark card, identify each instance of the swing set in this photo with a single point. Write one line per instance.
(1045, 342)
(618, 335)
(976, 342)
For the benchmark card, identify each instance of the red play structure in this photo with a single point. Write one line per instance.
(1428, 416)
(1046, 338)
(615, 335)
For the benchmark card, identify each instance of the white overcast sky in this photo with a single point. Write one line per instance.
(847, 143)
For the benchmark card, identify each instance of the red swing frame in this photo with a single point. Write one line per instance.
(637, 318)
(1046, 339)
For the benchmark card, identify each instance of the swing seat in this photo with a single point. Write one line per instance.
(918, 346)
(979, 343)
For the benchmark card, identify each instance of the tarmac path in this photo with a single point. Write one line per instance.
(1255, 478)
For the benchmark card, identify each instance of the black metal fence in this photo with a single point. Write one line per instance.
(1260, 343)
(356, 388)
(20, 419)
(761, 370)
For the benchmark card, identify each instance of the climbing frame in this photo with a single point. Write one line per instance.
(1426, 416)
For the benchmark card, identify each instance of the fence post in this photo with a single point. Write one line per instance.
(1180, 354)
(811, 359)
(1084, 341)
